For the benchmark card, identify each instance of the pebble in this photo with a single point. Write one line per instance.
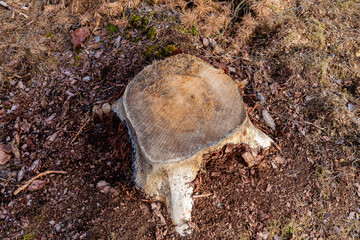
(212, 42)
(21, 174)
(106, 108)
(103, 186)
(260, 97)
(351, 107)
(232, 69)
(35, 166)
(276, 237)
(58, 227)
(96, 39)
(351, 215)
(52, 222)
(205, 42)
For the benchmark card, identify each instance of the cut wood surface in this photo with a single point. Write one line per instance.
(181, 105)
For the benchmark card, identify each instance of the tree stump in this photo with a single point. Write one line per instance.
(177, 110)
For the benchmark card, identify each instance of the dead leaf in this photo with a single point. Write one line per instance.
(52, 137)
(78, 36)
(6, 148)
(249, 159)
(21, 174)
(37, 185)
(263, 216)
(156, 210)
(268, 119)
(4, 154)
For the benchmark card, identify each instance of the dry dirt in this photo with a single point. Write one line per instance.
(302, 68)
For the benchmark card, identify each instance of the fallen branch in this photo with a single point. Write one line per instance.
(80, 130)
(23, 187)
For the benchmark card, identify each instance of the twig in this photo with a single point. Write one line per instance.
(80, 130)
(7, 6)
(23, 187)
(202, 195)
(299, 122)
(11, 8)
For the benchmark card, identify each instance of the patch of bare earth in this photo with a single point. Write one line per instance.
(296, 64)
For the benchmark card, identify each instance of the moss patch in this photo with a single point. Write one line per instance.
(151, 33)
(135, 21)
(113, 29)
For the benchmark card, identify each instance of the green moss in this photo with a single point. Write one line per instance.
(29, 236)
(49, 34)
(77, 58)
(137, 39)
(151, 2)
(194, 31)
(150, 50)
(184, 30)
(113, 29)
(151, 33)
(135, 21)
(316, 32)
(169, 49)
(144, 23)
(288, 232)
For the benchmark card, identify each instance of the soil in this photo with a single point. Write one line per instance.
(307, 188)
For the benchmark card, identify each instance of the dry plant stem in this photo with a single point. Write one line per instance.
(7, 6)
(202, 195)
(23, 187)
(80, 130)
(298, 122)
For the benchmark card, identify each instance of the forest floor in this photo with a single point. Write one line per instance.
(299, 61)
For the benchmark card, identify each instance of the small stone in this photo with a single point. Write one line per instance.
(117, 42)
(351, 107)
(52, 137)
(106, 108)
(96, 39)
(58, 227)
(21, 174)
(35, 166)
(263, 235)
(273, 88)
(86, 78)
(232, 69)
(205, 42)
(351, 215)
(103, 186)
(279, 160)
(260, 97)
(276, 237)
(212, 42)
(21, 85)
(274, 165)
(52, 222)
